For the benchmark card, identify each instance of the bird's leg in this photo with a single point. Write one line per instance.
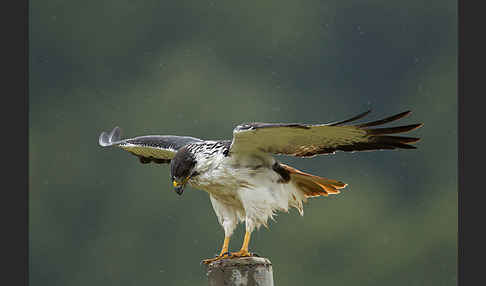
(228, 220)
(224, 249)
(224, 252)
(244, 248)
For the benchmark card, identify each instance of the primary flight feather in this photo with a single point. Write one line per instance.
(244, 181)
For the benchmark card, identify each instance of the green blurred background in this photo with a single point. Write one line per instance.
(99, 217)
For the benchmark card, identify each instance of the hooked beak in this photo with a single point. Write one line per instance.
(178, 187)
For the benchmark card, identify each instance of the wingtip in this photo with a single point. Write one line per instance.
(108, 139)
(103, 140)
(417, 126)
(405, 113)
(359, 116)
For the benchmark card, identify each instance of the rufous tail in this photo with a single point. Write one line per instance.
(313, 186)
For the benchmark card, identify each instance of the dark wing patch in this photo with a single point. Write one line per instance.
(146, 160)
(151, 148)
(283, 172)
(307, 140)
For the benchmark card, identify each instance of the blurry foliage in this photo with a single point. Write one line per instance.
(198, 68)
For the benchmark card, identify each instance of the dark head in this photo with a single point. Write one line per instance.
(182, 169)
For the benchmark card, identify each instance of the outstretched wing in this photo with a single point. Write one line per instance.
(150, 148)
(307, 140)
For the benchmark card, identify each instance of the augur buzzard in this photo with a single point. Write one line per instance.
(244, 181)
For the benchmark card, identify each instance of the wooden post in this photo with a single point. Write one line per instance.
(246, 271)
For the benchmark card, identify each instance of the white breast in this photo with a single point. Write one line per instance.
(246, 185)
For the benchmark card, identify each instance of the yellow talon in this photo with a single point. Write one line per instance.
(224, 250)
(241, 253)
(222, 254)
(244, 248)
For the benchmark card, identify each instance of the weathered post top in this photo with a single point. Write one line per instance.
(246, 271)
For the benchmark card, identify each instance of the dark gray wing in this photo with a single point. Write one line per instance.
(150, 148)
(307, 140)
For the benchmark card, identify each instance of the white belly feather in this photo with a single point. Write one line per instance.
(245, 188)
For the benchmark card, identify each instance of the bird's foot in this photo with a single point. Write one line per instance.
(219, 257)
(241, 253)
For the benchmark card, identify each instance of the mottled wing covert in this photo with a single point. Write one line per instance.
(150, 148)
(308, 140)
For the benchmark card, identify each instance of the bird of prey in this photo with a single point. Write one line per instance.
(244, 181)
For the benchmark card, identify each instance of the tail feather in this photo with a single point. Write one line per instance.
(313, 186)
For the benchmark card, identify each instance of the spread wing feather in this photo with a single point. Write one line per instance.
(308, 140)
(151, 148)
